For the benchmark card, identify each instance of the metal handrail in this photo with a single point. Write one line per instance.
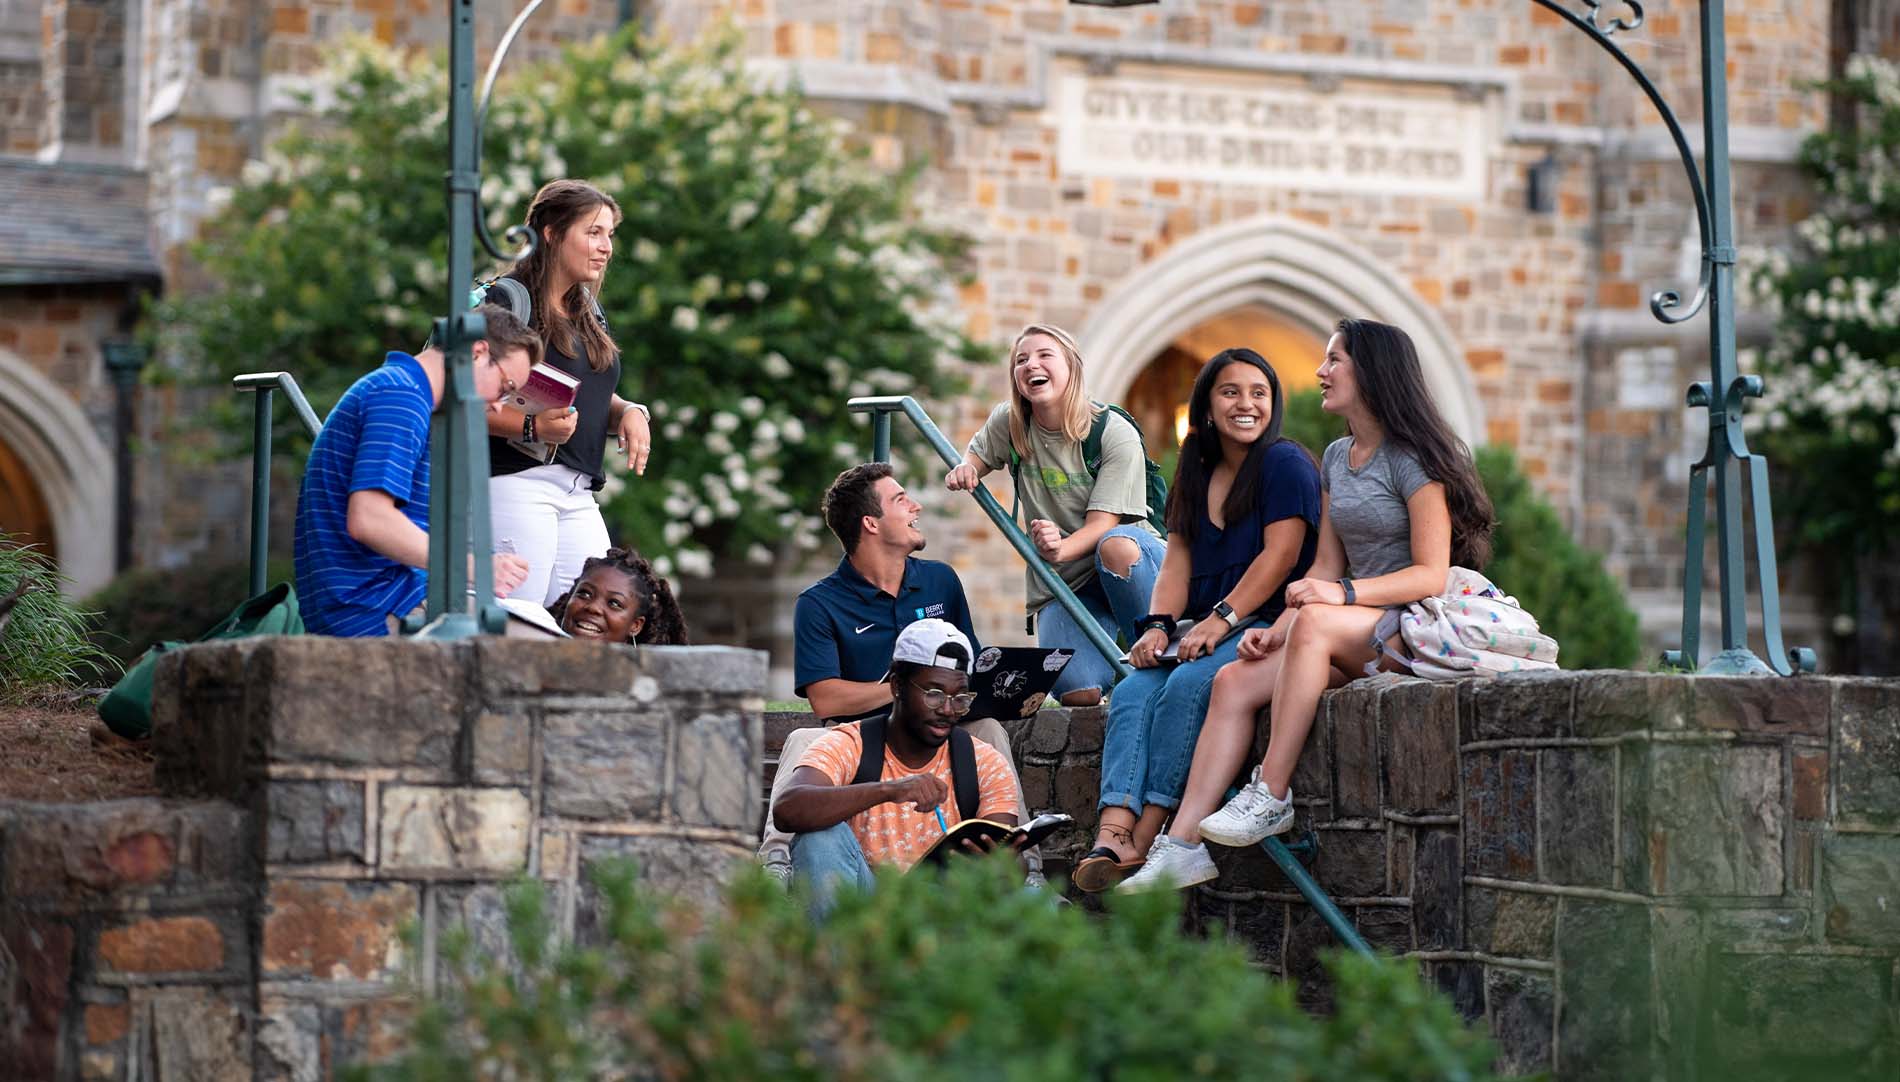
(881, 407)
(264, 383)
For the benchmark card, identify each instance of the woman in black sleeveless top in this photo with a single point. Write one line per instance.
(546, 513)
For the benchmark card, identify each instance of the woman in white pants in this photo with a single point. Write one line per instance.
(547, 514)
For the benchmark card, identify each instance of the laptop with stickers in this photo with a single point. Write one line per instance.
(1013, 681)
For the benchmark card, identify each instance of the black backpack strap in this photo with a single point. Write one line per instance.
(871, 758)
(963, 772)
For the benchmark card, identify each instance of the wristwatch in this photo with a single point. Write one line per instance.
(1352, 595)
(1226, 612)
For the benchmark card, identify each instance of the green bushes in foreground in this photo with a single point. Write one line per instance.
(960, 976)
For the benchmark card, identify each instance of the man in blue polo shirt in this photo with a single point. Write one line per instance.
(845, 626)
(363, 512)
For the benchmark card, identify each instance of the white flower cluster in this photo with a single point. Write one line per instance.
(1875, 305)
(1854, 396)
(1879, 73)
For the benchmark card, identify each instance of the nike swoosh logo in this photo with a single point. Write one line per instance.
(865, 628)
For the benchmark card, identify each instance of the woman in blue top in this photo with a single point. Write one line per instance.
(1243, 523)
(1403, 503)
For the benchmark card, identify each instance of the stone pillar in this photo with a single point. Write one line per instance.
(399, 784)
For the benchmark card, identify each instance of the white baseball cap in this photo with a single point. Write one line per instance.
(928, 642)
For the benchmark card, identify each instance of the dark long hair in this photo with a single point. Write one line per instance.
(1392, 384)
(556, 208)
(665, 624)
(1201, 451)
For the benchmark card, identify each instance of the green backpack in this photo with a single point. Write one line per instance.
(127, 708)
(1092, 458)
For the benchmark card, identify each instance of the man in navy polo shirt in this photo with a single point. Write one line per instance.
(845, 626)
(846, 623)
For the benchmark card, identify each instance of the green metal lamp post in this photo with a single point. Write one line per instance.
(461, 598)
(1726, 392)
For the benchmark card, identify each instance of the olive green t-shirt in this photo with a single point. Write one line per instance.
(1056, 485)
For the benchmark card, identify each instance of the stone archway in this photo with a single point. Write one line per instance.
(51, 438)
(1305, 275)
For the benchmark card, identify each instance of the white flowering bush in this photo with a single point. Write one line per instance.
(1830, 420)
(764, 270)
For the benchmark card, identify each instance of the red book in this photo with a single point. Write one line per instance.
(548, 388)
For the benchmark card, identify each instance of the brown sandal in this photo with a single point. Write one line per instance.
(1100, 870)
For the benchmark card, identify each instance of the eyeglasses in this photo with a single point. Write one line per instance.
(960, 703)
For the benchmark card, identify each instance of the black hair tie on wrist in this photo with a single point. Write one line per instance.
(1157, 621)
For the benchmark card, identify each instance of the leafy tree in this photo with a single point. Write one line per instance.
(1533, 557)
(951, 977)
(43, 636)
(1830, 418)
(764, 272)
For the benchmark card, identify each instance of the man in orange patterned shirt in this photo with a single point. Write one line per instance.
(843, 830)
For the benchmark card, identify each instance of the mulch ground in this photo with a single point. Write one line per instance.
(47, 754)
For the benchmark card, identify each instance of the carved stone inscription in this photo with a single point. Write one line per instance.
(1405, 141)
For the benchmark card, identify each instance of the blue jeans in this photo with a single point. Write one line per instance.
(1154, 718)
(1117, 604)
(827, 860)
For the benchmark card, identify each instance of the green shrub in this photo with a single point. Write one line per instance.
(43, 643)
(1305, 420)
(1557, 580)
(965, 976)
(1533, 558)
(147, 606)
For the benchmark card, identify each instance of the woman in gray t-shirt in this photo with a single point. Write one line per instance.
(1401, 504)
(1089, 520)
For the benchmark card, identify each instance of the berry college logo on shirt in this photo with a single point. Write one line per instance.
(929, 612)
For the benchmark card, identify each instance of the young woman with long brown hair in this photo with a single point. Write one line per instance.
(547, 513)
(1243, 521)
(1402, 504)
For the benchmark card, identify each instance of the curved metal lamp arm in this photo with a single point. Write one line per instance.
(1667, 304)
(518, 235)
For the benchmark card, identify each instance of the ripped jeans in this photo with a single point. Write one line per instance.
(1117, 603)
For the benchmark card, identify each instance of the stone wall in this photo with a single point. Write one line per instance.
(328, 794)
(1622, 875)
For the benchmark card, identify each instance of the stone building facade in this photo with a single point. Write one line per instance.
(1163, 180)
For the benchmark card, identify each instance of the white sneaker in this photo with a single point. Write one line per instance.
(781, 871)
(1171, 866)
(1253, 816)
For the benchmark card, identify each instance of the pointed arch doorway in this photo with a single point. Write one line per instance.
(1275, 285)
(56, 474)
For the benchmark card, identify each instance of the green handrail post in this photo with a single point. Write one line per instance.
(881, 407)
(264, 384)
(880, 437)
(1316, 897)
(260, 490)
